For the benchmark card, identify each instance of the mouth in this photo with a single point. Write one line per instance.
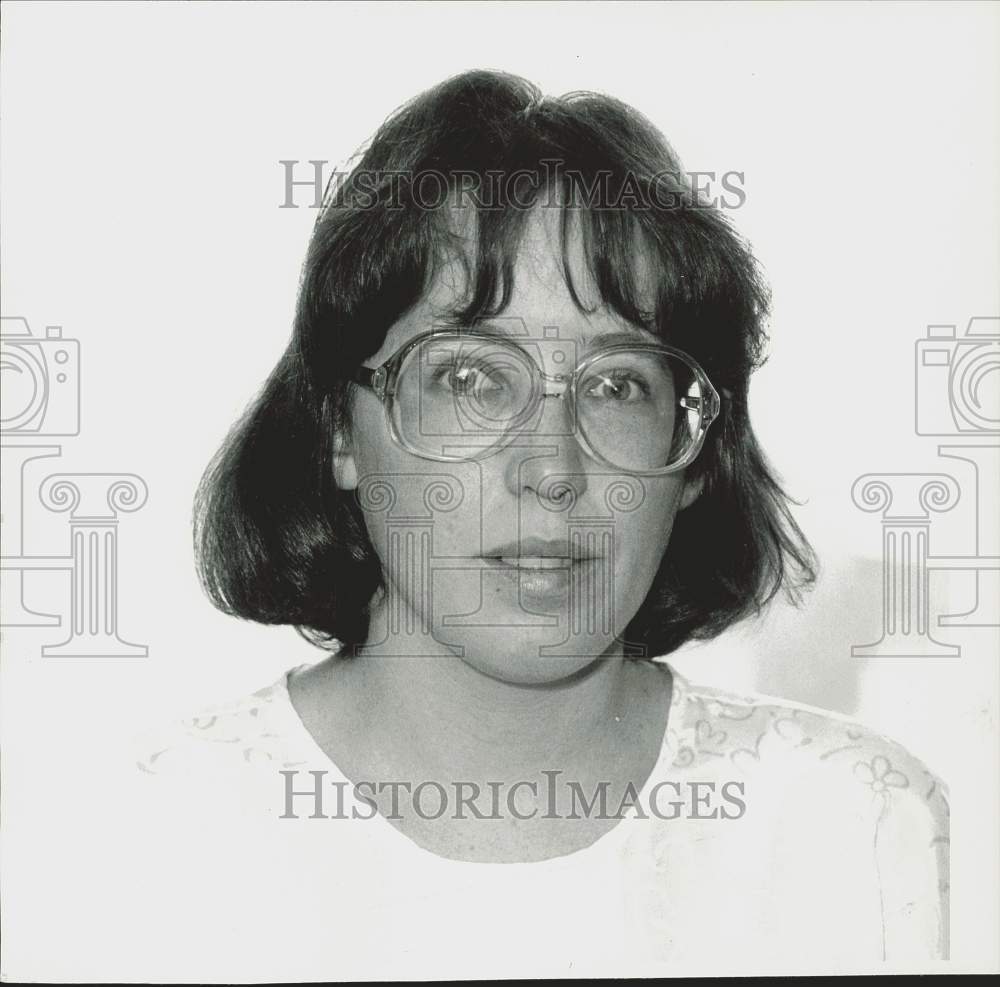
(537, 554)
(531, 561)
(545, 574)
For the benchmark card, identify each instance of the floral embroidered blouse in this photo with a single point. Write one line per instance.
(770, 837)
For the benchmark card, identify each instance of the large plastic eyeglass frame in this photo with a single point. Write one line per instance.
(382, 380)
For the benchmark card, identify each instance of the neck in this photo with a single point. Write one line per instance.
(441, 713)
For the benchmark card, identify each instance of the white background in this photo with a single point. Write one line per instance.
(140, 195)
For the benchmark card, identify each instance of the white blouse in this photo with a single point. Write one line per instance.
(771, 837)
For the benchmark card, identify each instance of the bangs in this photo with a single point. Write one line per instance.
(622, 268)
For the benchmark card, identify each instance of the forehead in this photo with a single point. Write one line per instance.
(541, 299)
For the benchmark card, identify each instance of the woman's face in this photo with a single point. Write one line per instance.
(525, 564)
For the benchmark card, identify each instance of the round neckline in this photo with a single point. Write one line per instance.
(607, 841)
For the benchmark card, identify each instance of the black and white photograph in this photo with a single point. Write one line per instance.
(499, 490)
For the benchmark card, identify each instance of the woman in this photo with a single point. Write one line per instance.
(504, 467)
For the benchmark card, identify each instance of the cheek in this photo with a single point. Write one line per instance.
(644, 534)
(416, 510)
(386, 492)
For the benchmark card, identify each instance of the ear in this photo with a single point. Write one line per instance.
(692, 491)
(345, 469)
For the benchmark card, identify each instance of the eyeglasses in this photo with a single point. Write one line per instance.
(454, 396)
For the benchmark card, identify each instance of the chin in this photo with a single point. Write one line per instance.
(543, 671)
(527, 657)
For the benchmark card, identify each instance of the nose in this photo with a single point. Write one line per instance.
(545, 458)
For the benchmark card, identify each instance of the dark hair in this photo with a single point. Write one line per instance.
(278, 542)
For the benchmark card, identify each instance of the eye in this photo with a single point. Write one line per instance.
(617, 386)
(466, 378)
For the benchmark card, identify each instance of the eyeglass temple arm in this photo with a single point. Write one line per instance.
(376, 380)
(708, 406)
(364, 376)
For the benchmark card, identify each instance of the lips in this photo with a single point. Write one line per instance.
(531, 562)
(537, 553)
(542, 573)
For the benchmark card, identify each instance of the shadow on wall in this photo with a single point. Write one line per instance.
(805, 654)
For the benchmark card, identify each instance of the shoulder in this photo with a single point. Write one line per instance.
(255, 730)
(816, 765)
(820, 779)
(752, 732)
